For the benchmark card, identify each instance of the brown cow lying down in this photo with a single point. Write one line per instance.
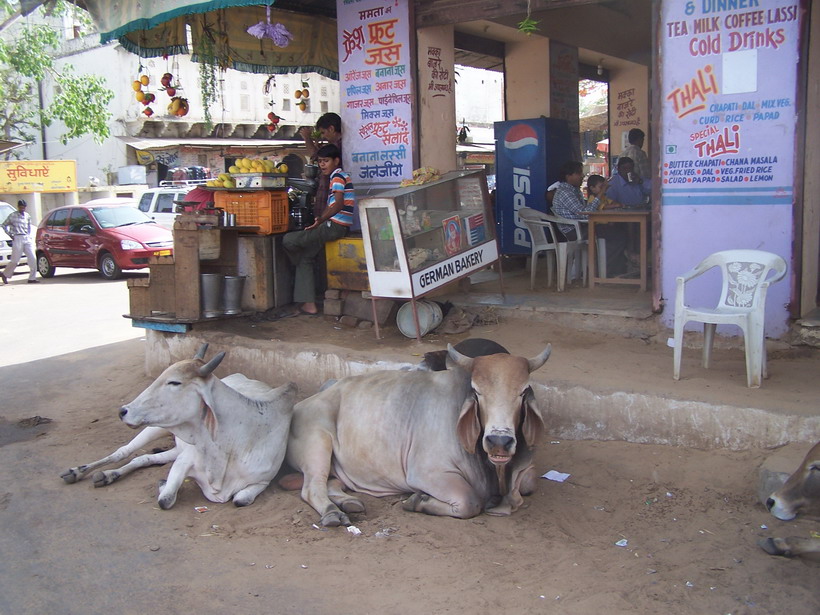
(460, 441)
(230, 434)
(799, 495)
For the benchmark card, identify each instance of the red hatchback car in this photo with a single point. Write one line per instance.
(105, 234)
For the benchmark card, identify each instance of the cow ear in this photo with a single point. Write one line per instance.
(209, 420)
(468, 427)
(211, 365)
(538, 361)
(533, 425)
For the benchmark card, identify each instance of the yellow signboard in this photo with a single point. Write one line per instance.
(18, 176)
(144, 157)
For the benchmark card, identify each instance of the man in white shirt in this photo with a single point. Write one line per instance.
(18, 226)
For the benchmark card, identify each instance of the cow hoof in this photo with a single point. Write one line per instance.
(334, 519)
(352, 506)
(770, 546)
(102, 479)
(71, 476)
(241, 502)
(165, 501)
(412, 503)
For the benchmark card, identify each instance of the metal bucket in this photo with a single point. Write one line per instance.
(211, 288)
(233, 293)
(430, 317)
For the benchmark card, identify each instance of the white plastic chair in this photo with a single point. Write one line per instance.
(742, 302)
(576, 250)
(543, 239)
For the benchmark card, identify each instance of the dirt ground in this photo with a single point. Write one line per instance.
(689, 518)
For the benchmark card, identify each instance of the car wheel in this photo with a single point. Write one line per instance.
(109, 268)
(44, 266)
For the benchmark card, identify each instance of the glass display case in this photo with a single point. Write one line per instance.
(419, 238)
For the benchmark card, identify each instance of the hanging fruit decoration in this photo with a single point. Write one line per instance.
(143, 96)
(302, 96)
(273, 118)
(169, 86)
(274, 121)
(178, 106)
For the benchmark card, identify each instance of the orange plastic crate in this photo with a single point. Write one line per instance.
(268, 210)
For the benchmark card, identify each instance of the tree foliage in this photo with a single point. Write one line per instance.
(27, 58)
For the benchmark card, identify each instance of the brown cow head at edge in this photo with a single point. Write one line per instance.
(501, 392)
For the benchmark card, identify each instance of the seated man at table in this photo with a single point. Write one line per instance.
(568, 202)
(628, 187)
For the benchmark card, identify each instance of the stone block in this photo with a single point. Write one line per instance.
(332, 307)
(349, 321)
(361, 308)
(332, 293)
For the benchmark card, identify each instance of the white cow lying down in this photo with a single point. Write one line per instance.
(460, 441)
(230, 435)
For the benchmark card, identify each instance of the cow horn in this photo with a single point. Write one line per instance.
(200, 354)
(460, 359)
(211, 365)
(538, 361)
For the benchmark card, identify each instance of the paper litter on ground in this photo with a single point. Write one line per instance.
(558, 477)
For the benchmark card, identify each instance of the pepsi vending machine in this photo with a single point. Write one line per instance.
(528, 156)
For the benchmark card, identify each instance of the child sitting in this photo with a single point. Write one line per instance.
(597, 199)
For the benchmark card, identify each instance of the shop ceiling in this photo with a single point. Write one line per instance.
(611, 29)
(614, 30)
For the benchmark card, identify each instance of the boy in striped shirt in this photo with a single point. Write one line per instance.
(302, 247)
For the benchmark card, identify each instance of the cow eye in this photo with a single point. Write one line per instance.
(174, 383)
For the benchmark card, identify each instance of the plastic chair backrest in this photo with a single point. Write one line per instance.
(541, 231)
(745, 275)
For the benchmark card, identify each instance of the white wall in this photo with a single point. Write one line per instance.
(243, 101)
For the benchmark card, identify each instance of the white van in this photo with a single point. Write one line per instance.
(158, 203)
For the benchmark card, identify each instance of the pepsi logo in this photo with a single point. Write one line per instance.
(521, 144)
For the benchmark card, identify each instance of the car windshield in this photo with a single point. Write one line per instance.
(5, 210)
(111, 217)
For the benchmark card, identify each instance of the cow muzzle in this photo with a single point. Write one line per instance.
(499, 448)
(779, 510)
(126, 418)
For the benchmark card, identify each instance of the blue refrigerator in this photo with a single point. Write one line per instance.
(528, 156)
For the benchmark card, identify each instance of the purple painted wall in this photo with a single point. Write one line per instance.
(727, 141)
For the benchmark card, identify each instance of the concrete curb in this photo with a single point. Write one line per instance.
(573, 412)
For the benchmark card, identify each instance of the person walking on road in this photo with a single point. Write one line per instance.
(18, 226)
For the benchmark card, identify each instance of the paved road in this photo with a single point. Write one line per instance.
(74, 310)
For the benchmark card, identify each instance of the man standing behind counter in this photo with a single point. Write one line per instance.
(329, 126)
(635, 151)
